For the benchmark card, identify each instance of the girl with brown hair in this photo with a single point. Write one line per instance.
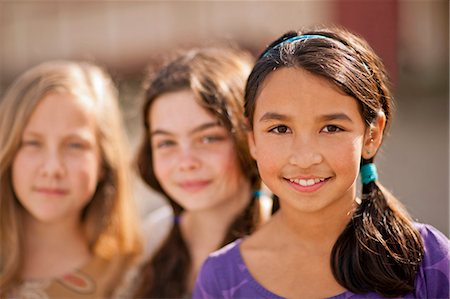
(195, 154)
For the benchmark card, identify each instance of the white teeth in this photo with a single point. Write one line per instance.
(306, 183)
(303, 182)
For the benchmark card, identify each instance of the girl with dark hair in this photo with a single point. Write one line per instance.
(318, 106)
(195, 154)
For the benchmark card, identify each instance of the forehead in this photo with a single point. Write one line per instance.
(178, 111)
(296, 91)
(61, 111)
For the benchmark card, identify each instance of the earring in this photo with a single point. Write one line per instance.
(368, 152)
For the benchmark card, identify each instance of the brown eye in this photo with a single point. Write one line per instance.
(331, 129)
(281, 129)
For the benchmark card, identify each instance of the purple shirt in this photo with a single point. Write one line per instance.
(225, 275)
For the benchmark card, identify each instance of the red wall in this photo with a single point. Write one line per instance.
(377, 22)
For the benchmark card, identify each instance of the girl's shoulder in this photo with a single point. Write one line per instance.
(433, 278)
(220, 272)
(436, 244)
(428, 229)
(228, 257)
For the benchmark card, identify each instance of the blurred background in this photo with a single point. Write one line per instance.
(125, 37)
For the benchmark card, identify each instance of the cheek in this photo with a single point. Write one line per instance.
(161, 167)
(346, 156)
(21, 170)
(225, 161)
(354, 149)
(17, 167)
(84, 174)
(270, 165)
(269, 155)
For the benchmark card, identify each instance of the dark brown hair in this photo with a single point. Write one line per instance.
(379, 250)
(217, 77)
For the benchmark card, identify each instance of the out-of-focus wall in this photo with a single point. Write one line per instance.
(416, 159)
(126, 36)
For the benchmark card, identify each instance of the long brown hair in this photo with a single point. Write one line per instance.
(217, 77)
(380, 249)
(108, 220)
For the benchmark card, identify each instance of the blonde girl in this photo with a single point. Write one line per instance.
(67, 220)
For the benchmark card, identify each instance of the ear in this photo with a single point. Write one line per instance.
(374, 136)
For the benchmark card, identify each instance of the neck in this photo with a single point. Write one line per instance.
(205, 230)
(321, 228)
(52, 249)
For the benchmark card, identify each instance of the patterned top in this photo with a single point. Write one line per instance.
(225, 275)
(97, 279)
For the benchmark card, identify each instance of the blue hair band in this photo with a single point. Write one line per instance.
(368, 173)
(293, 39)
(257, 193)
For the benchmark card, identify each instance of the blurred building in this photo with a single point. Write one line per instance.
(125, 37)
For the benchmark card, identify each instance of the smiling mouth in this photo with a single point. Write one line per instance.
(307, 185)
(51, 191)
(194, 186)
(308, 182)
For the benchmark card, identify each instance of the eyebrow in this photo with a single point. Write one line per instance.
(73, 134)
(335, 116)
(199, 128)
(30, 133)
(326, 117)
(273, 116)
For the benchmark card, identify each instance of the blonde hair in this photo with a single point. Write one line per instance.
(108, 220)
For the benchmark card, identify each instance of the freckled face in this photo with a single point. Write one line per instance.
(194, 157)
(307, 139)
(56, 170)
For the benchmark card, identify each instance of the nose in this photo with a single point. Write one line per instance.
(188, 159)
(305, 152)
(52, 164)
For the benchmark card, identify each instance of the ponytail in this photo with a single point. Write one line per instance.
(379, 250)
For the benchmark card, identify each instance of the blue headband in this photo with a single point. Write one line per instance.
(368, 173)
(293, 39)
